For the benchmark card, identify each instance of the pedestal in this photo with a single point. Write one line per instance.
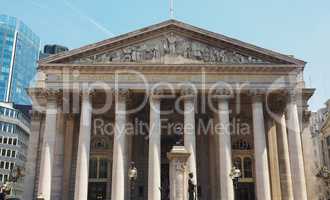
(178, 173)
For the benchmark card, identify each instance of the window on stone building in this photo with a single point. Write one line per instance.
(328, 141)
(8, 153)
(93, 168)
(7, 165)
(238, 163)
(103, 172)
(248, 168)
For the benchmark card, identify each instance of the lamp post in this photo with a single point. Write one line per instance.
(132, 175)
(235, 174)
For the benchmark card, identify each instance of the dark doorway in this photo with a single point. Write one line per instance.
(245, 191)
(97, 191)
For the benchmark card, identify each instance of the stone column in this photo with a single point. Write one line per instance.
(178, 173)
(260, 150)
(32, 156)
(189, 130)
(273, 160)
(295, 151)
(154, 163)
(48, 145)
(119, 166)
(82, 170)
(68, 143)
(284, 159)
(224, 148)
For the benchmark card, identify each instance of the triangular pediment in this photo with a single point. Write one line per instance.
(171, 42)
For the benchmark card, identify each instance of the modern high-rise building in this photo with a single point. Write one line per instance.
(14, 141)
(50, 49)
(19, 52)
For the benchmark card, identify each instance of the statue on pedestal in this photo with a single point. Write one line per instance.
(191, 187)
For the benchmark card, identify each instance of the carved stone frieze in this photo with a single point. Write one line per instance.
(171, 48)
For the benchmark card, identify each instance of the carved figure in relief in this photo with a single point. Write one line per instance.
(173, 45)
(171, 39)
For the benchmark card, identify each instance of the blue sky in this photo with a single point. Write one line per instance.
(298, 27)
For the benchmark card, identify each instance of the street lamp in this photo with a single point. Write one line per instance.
(235, 174)
(132, 175)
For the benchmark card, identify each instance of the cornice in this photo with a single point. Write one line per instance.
(175, 67)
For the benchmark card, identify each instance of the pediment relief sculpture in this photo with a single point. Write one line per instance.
(171, 48)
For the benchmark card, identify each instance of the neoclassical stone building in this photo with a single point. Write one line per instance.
(133, 97)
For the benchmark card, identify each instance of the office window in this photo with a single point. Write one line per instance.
(13, 154)
(7, 165)
(10, 141)
(11, 166)
(3, 153)
(8, 153)
(15, 141)
(5, 178)
(5, 140)
(1, 177)
(2, 164)
(1, 140)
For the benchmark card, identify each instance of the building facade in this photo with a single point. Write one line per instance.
(19, 51)
(50, 49)
(314, 156)
(133, 97)
(14, 137)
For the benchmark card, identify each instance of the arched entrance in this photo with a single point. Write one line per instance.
(243, 160)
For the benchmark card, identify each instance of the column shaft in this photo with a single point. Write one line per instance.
(82, 171)
(119, 166)
(47, 152)
(273, 160)
(224, 148)
(260, 151)
(68, 143)
(154, 163)
(296, 155)
(189, 135)
(284, 159)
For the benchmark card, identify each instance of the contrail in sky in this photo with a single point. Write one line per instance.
(89, 19)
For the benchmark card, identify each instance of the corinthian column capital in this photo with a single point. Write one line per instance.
(188, 92)
(121, 93)
(257, 95)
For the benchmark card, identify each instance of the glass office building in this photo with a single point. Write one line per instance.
(19, 51)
